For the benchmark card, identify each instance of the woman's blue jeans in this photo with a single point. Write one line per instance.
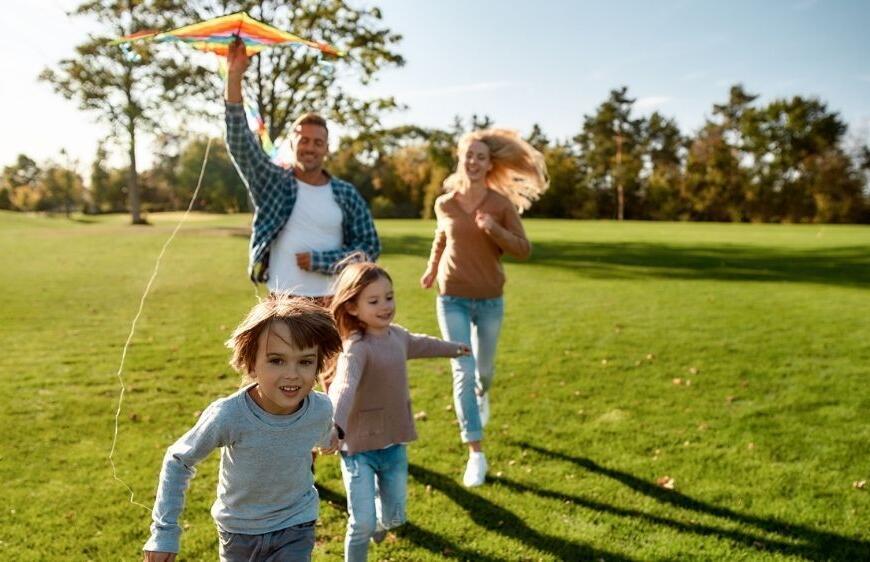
(476, 323)
(377, 490)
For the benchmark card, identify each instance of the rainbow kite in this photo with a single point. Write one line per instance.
(216, 35)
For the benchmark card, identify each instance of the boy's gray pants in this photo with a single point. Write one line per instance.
(293, 544)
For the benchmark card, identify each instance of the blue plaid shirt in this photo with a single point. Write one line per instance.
(273, 190)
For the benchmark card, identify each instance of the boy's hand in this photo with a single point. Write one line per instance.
(463, 350)
(159, 556)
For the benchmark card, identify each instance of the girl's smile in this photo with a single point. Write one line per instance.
(375, 306)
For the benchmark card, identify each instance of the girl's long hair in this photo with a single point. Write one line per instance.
(349, 284)
(518, 169)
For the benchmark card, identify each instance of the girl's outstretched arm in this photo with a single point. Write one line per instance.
(422, 345)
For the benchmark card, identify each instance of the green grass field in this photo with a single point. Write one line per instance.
(731, 358)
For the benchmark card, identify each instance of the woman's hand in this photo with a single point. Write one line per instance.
(428, 279)
(463, 350)
(484, 221)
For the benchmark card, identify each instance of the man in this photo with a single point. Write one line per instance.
(305, 221)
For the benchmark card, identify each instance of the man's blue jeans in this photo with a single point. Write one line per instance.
(377, 490)
(476, 323)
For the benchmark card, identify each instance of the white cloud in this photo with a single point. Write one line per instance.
(453, 90)
(651, 102)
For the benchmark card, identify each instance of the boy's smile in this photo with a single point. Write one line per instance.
(284, 373)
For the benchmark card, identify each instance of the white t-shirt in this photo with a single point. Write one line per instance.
(314, 225)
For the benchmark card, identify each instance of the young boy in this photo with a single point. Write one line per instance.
(266, 504)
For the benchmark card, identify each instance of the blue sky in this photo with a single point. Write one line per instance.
(547, 62)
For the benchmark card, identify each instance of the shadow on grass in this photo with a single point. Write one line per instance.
(807, 543)
(433, 542)
(847, 265)
(497, 519)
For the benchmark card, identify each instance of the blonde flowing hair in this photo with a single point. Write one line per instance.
(518, 169)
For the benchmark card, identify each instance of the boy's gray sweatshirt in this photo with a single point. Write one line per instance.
(265, 482)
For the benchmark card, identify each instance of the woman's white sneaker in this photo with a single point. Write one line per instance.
(475, 470)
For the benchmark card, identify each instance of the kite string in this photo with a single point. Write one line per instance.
(136, 319)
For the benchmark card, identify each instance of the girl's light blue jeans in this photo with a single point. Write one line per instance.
(377, 490)
(476, 323)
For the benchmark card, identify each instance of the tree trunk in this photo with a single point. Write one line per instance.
(133, 179)
(620, 195)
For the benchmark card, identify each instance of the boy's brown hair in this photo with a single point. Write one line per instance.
(310, 325)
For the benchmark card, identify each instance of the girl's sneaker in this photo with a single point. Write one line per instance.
(475, 470)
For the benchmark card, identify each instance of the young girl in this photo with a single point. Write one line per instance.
(266, 502)
(372, 402)
(478, 221)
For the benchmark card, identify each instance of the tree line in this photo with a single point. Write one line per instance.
(787, 160)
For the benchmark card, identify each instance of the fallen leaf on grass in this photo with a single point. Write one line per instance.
(420, 416)
(730, 399)
(448, 407)
(750, 446)
(677, 381)
(859, 484)
(693, 370)
(666, 482)
(650, 356)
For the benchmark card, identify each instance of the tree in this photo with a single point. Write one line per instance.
(130, 90)
(108, 188)
(610, 159)
(715, 184)
(222, 191)
(21, 186)
(286, 82)
(798, 158)
(62, 188)
(568, 195)
(663, 152)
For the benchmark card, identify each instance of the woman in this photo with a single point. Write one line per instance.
(498, 176)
